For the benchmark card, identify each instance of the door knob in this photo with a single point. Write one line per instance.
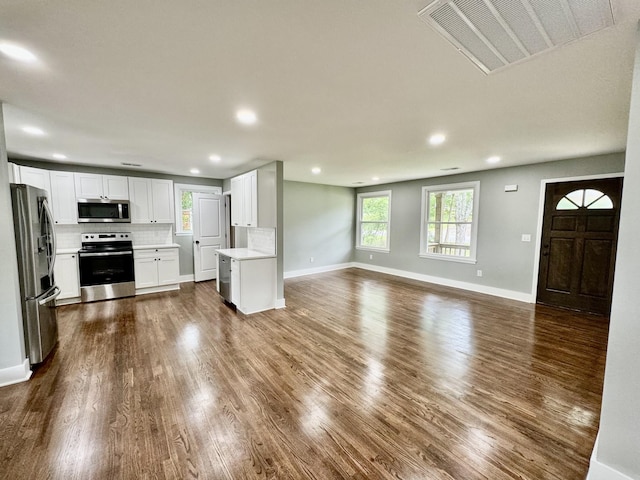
(197, 242)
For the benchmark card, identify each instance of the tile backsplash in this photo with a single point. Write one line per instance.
(68, 236)
(262, 239)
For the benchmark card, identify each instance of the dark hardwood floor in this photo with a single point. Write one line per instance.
(362, 376)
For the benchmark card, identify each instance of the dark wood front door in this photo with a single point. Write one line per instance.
(578, 248)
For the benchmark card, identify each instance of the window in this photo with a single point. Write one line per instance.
(374, 210)
(450, 221)
(184, 204)
(589, 199)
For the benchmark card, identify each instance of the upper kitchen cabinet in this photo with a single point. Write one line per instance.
(36, 177)
(253, 199)
(112, 187)
(151, 200)
(63, 198)
(14, 173)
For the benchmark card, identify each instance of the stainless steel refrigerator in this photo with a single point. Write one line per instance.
(36, 247)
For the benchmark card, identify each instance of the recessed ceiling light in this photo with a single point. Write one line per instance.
(33, 130)
(215, 158)
(437, 139)
(316, 170)
(246, 117)
(375, 179)
(16, 52)
(195, 171)
(493, 159)
(59, 156)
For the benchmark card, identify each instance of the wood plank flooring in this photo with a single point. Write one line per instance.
(362, 376)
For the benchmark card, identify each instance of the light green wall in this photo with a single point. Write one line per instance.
(506, 262)
(12, 351)
(318, 223)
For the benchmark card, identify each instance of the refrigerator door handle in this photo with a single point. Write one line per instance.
(53, 296)
(47, 211)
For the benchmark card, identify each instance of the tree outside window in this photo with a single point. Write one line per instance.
(187, 211)
(450, 221)
(373, 220)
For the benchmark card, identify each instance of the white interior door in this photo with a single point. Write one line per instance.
(208, 234)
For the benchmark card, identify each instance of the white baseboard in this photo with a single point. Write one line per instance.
(15, 374)
(600, 471)
(312, 271)
(186, 278)
(163, 288)
(280, 303)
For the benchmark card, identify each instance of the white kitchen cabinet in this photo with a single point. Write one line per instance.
(156, 269)
(63, 198)
(253, 284)
(36, 177)
(91, 185)
(151, 200)
(65, 272)
(253, 199)
(14, 173)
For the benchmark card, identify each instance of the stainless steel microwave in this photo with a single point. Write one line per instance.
(98, 210)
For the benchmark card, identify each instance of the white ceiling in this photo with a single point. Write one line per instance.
(352, 87)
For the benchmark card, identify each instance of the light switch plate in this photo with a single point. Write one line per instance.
(511, 188)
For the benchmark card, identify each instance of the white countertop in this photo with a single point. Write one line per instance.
(163, 245)
(244, 253)
(62, 251)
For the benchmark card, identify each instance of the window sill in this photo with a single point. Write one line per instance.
(184, 234)
(449, 258)
(373, 249)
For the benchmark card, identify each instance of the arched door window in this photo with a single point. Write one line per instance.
(585, 198)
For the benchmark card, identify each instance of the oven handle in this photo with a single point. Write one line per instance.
(106, 254)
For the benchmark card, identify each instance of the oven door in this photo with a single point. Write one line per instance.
(106, 275)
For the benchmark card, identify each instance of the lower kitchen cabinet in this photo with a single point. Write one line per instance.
(253, 284)
(65, 272)
(156, 269)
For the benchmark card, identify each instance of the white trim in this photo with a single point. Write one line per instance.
(16, 374)
(424, 221)
(472, 287)
(177, 200)
(158, 289)
(312, 271)
(543, 186)
(280, 303)
(186, 278)
(359, 197)
(600, 471)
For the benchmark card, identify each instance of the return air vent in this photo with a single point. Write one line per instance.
(496, 33)
(129, 164)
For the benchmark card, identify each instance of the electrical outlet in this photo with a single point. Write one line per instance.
(479, 273)
(526, 237)
(310, 259)
(370, 257)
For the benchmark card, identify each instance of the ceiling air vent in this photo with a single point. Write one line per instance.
(496, 33)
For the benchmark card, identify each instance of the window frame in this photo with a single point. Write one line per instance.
(360, 197)
(178, 189)
(424, 218)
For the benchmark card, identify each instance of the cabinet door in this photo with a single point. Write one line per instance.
(65, 273)
(168, 266)
(36, 177)
(250, 199)
(237, 187)
(14, 173)
(162, 195)
(146, 269)
(115, 187)
(88, 185)
(63, 198)
(235, 282)
(140, 200)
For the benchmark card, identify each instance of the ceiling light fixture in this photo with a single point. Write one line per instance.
(33, 130)
(215, 158)
(59, 156)
(246, 117)
(316, 170)
(493, 159)
(375, 179)
(16, 52)
(437, 139)
(195, 171)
